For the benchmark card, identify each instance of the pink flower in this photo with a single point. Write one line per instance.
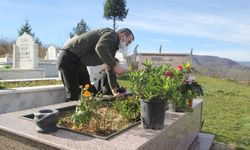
(168, 74)
(190, 79)
(179, 68)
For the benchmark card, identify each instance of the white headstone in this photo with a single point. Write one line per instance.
(51, 53)
(25, 53)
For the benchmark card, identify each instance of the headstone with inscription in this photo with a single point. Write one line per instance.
(25, 53)
(51, 53)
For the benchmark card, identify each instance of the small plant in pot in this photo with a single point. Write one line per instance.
(148, 86)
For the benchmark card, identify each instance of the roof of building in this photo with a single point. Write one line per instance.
(164, 54)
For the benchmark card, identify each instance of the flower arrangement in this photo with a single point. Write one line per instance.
(181, 86)
(165, 82)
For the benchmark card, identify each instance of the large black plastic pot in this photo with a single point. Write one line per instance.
(46, 120)
(153, 114)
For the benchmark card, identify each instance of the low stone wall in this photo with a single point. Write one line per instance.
(29, 97)
(6, 74)
(50, 68)
(46, 69)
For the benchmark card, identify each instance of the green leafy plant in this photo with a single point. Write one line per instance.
(85, 110)
(1, 86)
(94, 115)
(149, 83)
(181, 85)
(165, 82)
(129, 108)
(6, 67)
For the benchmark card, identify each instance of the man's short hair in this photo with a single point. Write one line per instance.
(126, 31)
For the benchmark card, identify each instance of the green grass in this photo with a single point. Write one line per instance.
(226, 110)
(28, 83)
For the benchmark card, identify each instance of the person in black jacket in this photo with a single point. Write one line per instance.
(92, 48)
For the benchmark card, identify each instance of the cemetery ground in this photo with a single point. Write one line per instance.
(226, 111)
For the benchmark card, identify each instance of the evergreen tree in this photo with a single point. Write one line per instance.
(80, 28)
(27, 28)
(115, 10)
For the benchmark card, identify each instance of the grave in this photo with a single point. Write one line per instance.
(26, 64)
(7, 60)
(49, 63)
(180, 131)
(51, 54)
(17, 99)
(25, 52)
(25, 60)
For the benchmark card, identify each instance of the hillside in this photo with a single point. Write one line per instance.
(244, 63)
(214, 66)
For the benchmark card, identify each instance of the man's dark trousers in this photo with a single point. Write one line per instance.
(73, 74)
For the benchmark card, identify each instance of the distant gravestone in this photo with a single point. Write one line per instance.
(122, 60)
(25, 53)
(51, 53)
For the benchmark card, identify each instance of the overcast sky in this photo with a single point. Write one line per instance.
(211, 27)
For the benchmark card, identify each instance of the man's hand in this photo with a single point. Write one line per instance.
(117, 94)
(119, 70)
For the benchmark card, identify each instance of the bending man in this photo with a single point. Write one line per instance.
(92, 48)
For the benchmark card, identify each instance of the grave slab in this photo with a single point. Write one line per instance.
(179, 132)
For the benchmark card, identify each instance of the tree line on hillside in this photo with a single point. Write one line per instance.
(221, 68)
(114, 10)
(6, 46)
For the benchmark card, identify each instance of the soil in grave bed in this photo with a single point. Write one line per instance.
(110, 118)
(107, 123)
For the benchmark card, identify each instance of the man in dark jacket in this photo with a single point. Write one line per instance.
(92, 48)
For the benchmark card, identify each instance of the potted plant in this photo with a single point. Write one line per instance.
(182, 87)
(148, 86)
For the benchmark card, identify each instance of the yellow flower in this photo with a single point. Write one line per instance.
(74, 127)
(86, 87)
(188, 65)
(86, 94)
